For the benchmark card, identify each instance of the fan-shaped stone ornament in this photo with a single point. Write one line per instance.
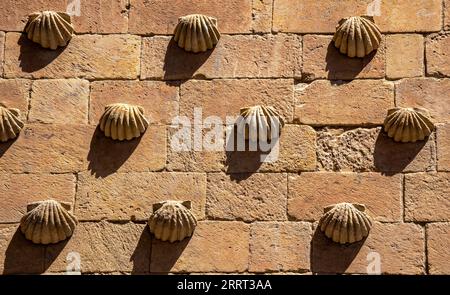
(49, 28)
(172, 221)
(10, 124)
(357, 36)
(122, 121)
(257, 122)
(345, 223)
(48, 222)
(408, 124)
(196, 33)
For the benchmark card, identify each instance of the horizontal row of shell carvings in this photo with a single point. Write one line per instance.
(50, 222)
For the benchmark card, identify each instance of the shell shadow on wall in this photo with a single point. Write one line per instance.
(357, 36)
(10, 125)
(172, 221)
(48, 222)
(345, 223)
(258, 122)
(408, 124)
(49, 28)
(196, 33)
(122, 121)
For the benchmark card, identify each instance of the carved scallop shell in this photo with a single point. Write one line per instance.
(10, 124)
(122, 121)
(258, 121)
(172, 221)
(408, 124)
(48, 222)
(357, 36)
(49, 28)
(345, 223)
(196, 33)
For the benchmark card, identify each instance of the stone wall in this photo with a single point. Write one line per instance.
(253, 217)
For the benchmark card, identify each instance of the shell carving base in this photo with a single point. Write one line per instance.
(48, 222)
(345, 223)
(258, 122)
(196, 33)
(122, 121)
(10, 125)
(49, 28)
(357, 36)
(172, 221)
(408, 124)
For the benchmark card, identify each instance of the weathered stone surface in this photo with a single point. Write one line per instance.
(17, 255)
(443, 147)
(161, 16)
(279, 246)
(399, 247)
(2, 45)
(126, 196)
(226, 97)
(321, 59)
(428, 93)
(14, 13)
(359, 102)
(59, 101)
(101, 16)
(236, 56)
(201, 252)
(146, 153)
(438, 56)
(86, 56)
(47, 149)
(438, 239)
(262, 15)
(16, 94)
(195, 157)
(247, 197)
(427, 197)
(104, 247)
(20, 189)
(297, 152)
(361, 150)
(404, 56)
(311, 16)
(159, 99)
(309, 193)
(447, 15)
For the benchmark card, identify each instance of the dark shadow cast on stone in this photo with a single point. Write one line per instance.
(141, 254)
(328, 257)
(182, 65)
(240, 165)
(4, 146)
(106, 155)
(23, 257)
(33, 57)
(392, 157)
(342, 67)
(165, 254)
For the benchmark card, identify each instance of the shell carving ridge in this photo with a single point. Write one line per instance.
(49, 28)
(10, 125)
(48, 222)
(259, 122)
(172, 221)
(345, 223)
(196, 33)
(357, 36)
(408, 124)
(122, 121)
